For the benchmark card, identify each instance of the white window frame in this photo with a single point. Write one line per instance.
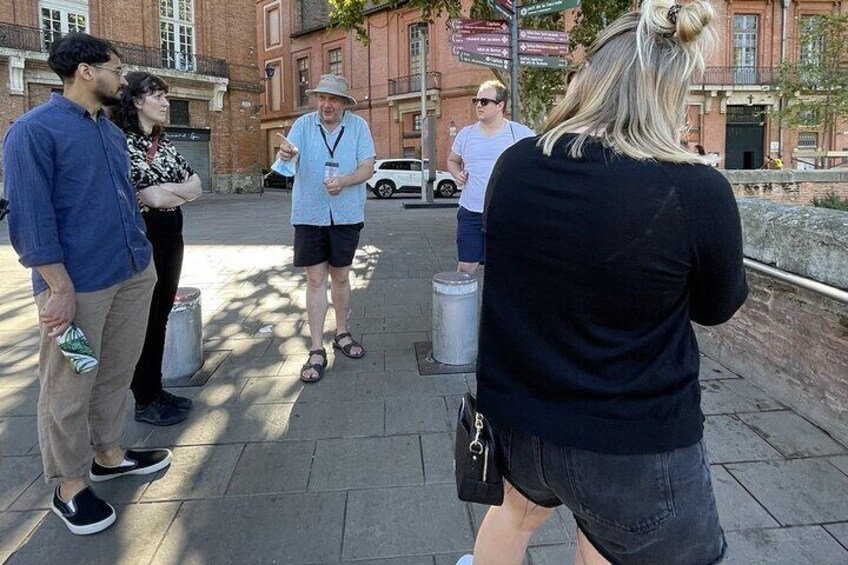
(182, 56)
(339, 64)
(746, 39)
(266, 20)
(66, 8)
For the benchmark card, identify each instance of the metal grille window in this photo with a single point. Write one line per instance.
(745, 34)
(59, 17)
(334, 57)
(179, 113)
(808, 140)
(302, 81)
(176, 27)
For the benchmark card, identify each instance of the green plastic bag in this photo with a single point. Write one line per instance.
(77, 351)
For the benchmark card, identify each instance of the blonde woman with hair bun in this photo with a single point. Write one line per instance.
(605, 241)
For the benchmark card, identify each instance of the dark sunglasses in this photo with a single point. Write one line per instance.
(484, 101)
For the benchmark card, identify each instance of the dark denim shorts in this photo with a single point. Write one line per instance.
(635, 509)
(470, 240)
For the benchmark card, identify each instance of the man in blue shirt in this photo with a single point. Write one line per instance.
(331, 154)
(76, 224)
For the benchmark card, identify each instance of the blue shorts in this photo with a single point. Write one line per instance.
(470, 241)
(634, 509)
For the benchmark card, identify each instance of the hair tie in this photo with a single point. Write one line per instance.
(672, 13)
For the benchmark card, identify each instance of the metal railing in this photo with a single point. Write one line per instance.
(737, 76)
(802, 282)
(412, 83)
(34, 39)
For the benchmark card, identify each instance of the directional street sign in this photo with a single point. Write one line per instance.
(480, 26)
(542, 35)
(492, 50)
(546, 7)
(485, 60)
(542, 61)
(482, 38)
(534, 48)
(506, 8)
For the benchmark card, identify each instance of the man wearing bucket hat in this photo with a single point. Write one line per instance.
(330, 153)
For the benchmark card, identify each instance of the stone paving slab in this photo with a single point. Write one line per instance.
(196, 472)
(736, 507)
(127, 490)
(792, 435)
(342, 464)
(272, 468)
(416, 415)
(393, 522)
(279, 528)
(437, 451)
(18, 434)
(728, 439)
(15, 527)
(810, 545)
(841, 462)
(132, 540)
(552, 554)
(796, 492)
(840, 532)
(710, 370)
(16, 475)
(718, 398)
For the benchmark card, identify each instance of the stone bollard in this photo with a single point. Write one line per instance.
(455, 318)
(183, 337)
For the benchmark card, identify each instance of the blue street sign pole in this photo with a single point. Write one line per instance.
(514, 70)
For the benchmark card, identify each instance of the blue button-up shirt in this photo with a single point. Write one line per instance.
(68, 185)
(311, 203)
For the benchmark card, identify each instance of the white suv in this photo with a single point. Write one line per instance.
(404, 175)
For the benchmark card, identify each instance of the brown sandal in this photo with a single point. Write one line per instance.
(317, 367)
(345, 349)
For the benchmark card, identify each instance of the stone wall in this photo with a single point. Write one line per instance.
(788, 186)
(790, 341)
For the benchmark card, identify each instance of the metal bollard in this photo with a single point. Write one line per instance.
(183, 337)
(455, 318)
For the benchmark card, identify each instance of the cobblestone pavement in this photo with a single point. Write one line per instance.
(356, 468)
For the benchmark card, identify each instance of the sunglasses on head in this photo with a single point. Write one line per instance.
(484, 101)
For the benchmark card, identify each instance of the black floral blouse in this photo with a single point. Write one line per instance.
(167, 164)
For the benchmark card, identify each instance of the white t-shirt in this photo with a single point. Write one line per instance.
(479, 153)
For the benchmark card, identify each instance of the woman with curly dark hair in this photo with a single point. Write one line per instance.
(163, 181)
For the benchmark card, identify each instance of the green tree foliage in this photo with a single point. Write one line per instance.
(538, 87)
(815, 87)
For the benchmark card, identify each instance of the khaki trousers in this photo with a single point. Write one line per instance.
(81, 412)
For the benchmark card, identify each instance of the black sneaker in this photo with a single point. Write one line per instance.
(160, 412)
(136, 462)
(85, 513)
(180, 402)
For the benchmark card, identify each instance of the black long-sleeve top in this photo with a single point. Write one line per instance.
(594, 269)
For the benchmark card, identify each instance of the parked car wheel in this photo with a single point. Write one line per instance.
(446, 189)
(384, 189)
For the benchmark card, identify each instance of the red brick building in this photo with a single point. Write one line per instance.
(204, 49)
(728, 110)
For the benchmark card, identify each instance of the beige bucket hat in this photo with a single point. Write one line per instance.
(335, 85)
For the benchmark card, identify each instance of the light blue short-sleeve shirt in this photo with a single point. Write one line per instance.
(311, 203)
(479, 153)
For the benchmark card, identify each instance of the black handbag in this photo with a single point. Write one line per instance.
(478, 478)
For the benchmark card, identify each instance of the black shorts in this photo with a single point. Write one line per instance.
(334, 244)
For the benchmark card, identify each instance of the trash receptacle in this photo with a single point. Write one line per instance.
(183, 337)
(455, 318)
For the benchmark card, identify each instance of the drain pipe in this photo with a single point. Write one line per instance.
(780, 101)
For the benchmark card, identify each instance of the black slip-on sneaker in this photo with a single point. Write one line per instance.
(180, 402)
(85, 513)
(136, 462)
(160, 412)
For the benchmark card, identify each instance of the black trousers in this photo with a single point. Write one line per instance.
(165, 232)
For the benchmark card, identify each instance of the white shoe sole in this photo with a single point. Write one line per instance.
(88, 529)
(142, 471)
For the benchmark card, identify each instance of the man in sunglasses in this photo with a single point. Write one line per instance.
(471, 160)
